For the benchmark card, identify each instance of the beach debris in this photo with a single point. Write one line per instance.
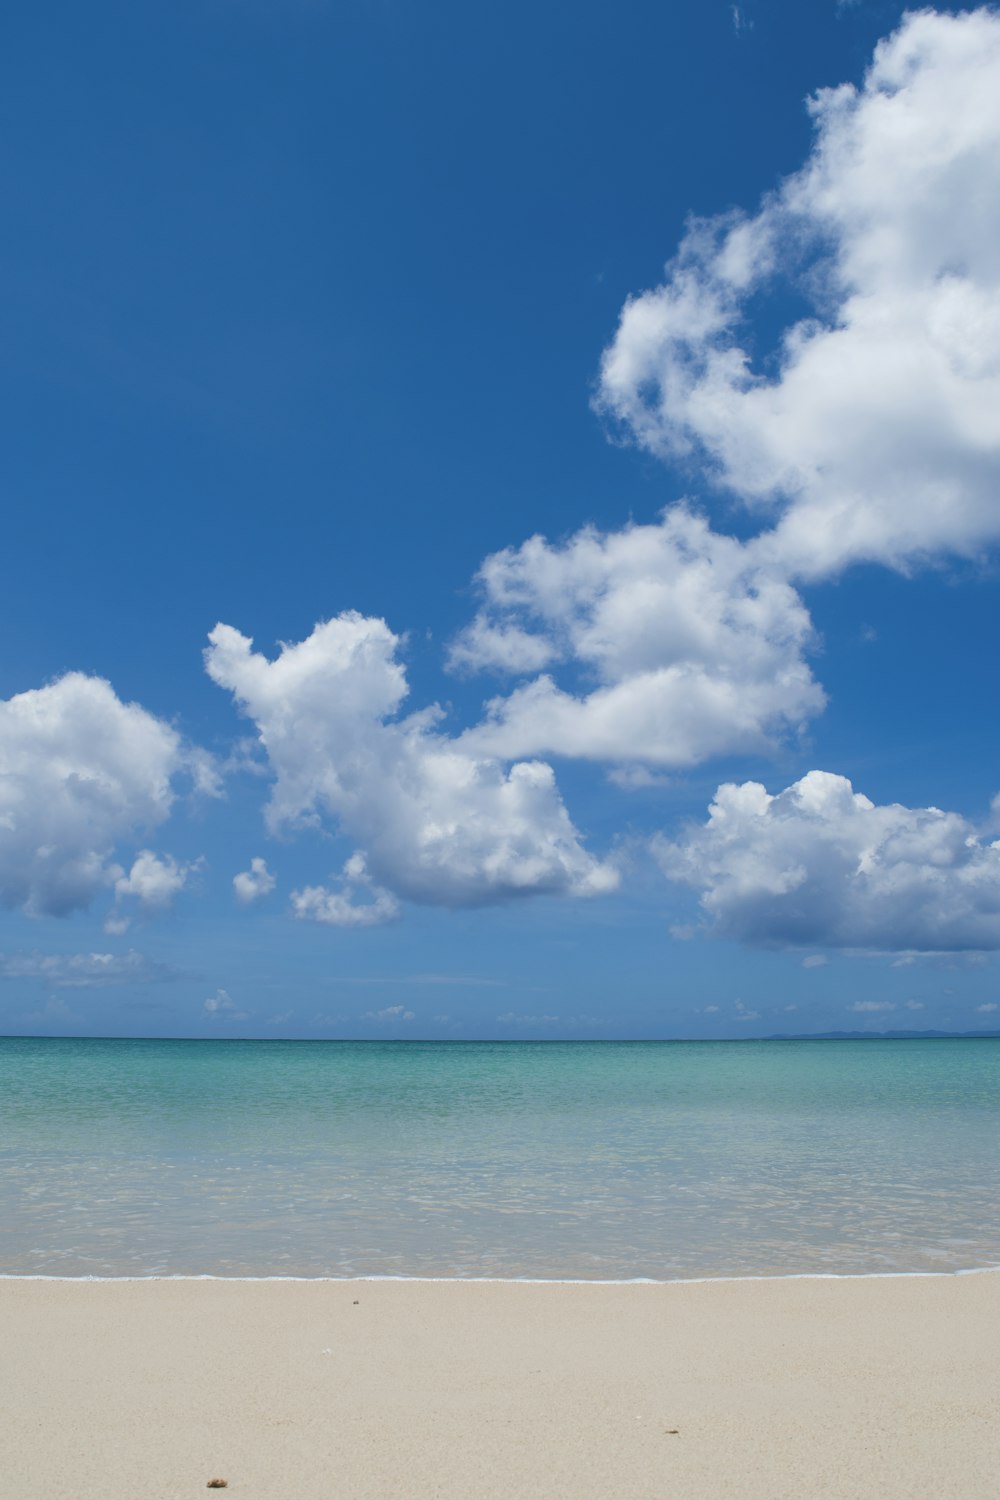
(672, 1431)
(217, 1484)
(356, 1302)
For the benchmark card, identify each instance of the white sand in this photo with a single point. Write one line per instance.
(877, 1388)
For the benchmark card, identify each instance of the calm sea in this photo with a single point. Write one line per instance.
(590, 1159)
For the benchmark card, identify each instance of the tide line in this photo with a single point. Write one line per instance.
(522, 1280)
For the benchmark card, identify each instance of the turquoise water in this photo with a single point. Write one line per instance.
(594, 1160)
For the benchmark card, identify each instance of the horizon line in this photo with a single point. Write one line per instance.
(930, 1035)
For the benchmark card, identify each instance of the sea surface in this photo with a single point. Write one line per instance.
(593, 1160)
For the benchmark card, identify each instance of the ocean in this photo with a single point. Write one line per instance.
(592, 1160)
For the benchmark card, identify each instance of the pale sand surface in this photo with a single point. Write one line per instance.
(880, 1388)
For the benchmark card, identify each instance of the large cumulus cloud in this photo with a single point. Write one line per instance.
(433, 821)
(81, 772)
(685, 646)
(821, 865)
(875, 430)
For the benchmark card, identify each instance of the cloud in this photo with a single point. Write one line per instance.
(153, 882)
(873, 431)
(988, 1008)
(222, 1007)
(250, 885)
(341, 907)
(815, 961)
(688, 647)
(819, 864)
(80, 773)
(511, 1019)
(84, 971)
(54, 1010)
(390, 1013)
(864, 1007)
(473, 981)
(435, 822)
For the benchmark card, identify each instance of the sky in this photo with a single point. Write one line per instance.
(502, 519)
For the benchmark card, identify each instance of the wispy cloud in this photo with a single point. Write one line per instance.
(589, 1023)
(84, 971)
(469, 980)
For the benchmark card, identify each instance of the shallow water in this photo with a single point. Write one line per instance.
(592, 1159)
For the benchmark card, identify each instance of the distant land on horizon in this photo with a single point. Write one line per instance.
(877, 1036)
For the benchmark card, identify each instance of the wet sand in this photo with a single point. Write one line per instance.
(885, 1388)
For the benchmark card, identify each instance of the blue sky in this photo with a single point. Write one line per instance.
(313, 316)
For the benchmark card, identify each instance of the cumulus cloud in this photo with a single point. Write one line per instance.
(869, 1007)
(988, 1008)
(250, 885)
(222, 1007)
(153, 881)
(821, 864)
(80, 773)
(84, 971)
(435, 822)
(874, 430)
(688, 646)
(356, 902)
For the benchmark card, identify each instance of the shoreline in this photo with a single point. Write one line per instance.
(375, 1277)
(884, 1386)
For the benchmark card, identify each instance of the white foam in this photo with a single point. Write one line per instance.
(527, 1280)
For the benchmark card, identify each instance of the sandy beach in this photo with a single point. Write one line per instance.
(881, 1387)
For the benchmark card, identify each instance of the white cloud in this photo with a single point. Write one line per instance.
(864, 1007)
(342, 907)
(222, 1007)
(875, 432)
(153, 881)
(251, 885)
(821, 864)
(390, 1013)
(80, 773)
(688, 646)
(815, 961)
(436, 823)
(83, 971)
(744, 1013)
(988, 1008)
